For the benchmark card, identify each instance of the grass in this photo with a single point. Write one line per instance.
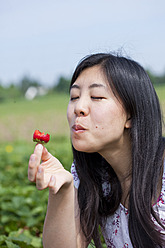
(161, 92)
(23, 207)
(18, 119)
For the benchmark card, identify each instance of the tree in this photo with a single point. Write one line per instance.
(26, 82)
(155, 79)
(62, 85)
(11, 92)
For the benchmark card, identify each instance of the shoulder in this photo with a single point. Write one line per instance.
(75, 176)
(163, 182)
(159, 207)
(161, 200)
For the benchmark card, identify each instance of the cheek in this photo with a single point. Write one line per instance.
(100, 119)
(69, 114)
(109, 117)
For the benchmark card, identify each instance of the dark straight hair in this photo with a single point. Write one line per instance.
(131, 84)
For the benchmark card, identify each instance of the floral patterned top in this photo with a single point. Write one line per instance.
(115, 231)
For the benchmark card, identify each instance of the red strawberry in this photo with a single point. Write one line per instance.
(40, 137)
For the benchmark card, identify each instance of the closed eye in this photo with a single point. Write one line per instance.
(74, 98)
(97, 97)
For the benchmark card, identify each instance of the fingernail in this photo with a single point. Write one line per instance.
(32, 158)
(39, 146)
(39, 169)
(52, 179)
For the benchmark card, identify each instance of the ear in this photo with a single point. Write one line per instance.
(128, 123)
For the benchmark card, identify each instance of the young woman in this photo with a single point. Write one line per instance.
(118, 170)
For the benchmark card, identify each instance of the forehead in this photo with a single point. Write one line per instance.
(93, 75)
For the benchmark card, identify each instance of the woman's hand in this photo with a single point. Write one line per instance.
(47, 171)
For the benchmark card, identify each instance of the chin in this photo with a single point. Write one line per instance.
(83, 148)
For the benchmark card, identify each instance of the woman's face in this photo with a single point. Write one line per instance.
(96, 118)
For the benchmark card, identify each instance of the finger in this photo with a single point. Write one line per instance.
(32, 168)
(60, 179)
(40, 184)
(34, 162)
(45, 154)
(52, 183)
(38, 152)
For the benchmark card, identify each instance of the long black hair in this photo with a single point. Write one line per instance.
(132, 85)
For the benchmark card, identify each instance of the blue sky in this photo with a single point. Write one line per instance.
(45, 39)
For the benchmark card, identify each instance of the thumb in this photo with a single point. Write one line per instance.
(60, 179)
(45, 154)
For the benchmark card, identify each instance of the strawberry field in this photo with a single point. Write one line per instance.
(22, 206)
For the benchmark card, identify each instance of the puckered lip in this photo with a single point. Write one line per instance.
(78, 127)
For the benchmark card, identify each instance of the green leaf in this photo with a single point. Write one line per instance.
(2, 238)
(11, 245)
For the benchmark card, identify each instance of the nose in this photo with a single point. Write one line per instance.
(81, 107)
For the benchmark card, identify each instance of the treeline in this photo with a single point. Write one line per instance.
(20, 89)
(156, 79)
(61, 85)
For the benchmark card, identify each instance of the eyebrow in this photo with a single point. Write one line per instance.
(94, 85)
(75, 86)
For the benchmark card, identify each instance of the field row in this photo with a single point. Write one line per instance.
(19, 118)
